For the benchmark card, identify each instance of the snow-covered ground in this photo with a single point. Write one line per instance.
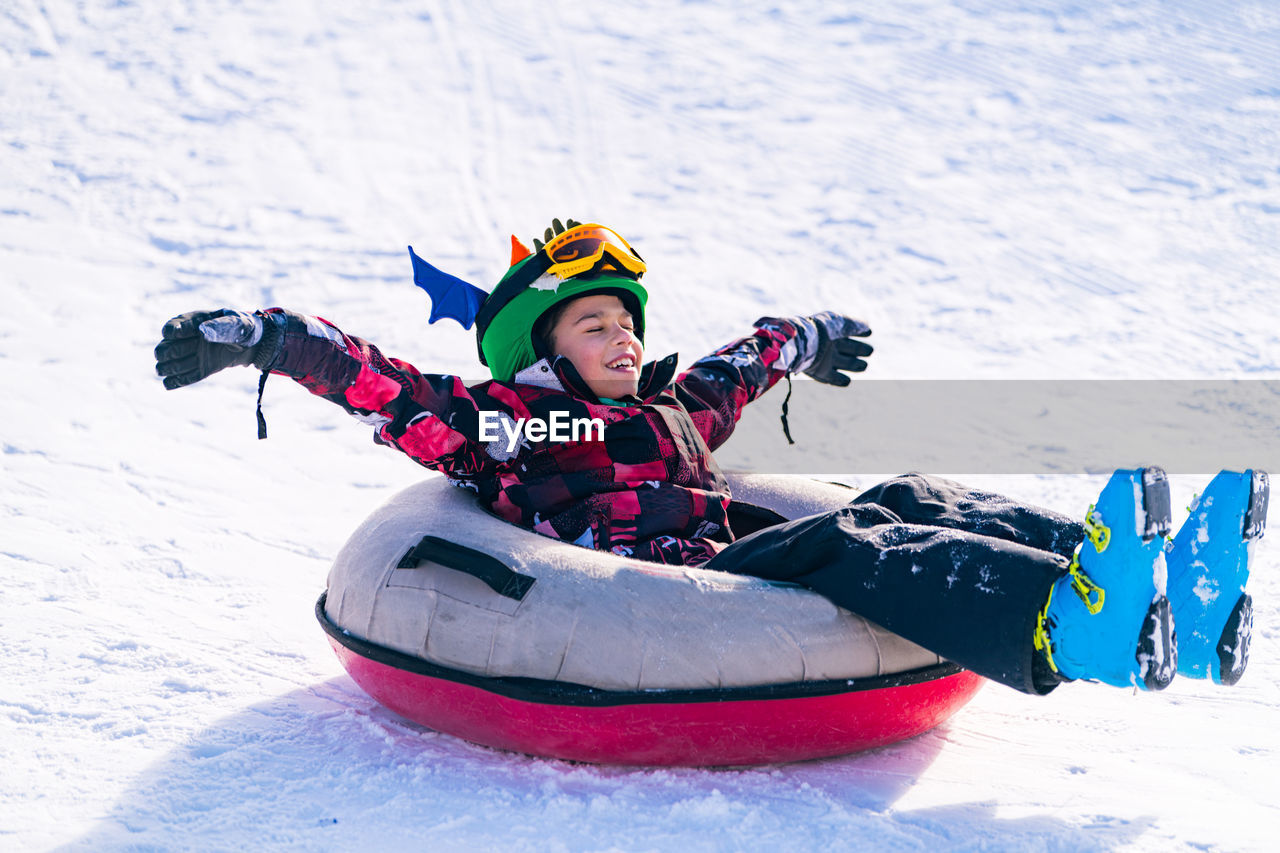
(1002, 189)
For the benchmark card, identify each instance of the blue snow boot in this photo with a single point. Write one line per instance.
(1208, 566)
(1108, 619)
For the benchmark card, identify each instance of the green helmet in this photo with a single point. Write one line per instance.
(505, 325)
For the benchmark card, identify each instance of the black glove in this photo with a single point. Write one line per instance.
(824, 346)
(555, 230)
(837, 350)
(200, 343)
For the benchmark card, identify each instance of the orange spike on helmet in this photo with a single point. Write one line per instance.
(519, 251)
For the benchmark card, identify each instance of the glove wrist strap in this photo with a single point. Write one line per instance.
(268, 350)
(268, 353)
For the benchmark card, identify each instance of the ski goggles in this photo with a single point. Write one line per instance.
(582, 249)
(591, 248)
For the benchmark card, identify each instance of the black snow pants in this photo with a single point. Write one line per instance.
(961, 572)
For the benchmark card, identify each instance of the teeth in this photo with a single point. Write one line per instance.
(622, 362)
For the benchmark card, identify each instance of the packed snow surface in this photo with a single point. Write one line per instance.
(1001, 189)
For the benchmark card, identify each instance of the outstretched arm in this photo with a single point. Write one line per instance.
(715, 388)
(434, 419)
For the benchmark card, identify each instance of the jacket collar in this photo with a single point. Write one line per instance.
(561, 375)
(656, 376)
(540, 374)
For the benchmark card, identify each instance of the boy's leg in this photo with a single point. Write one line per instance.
(985, 602)
(923, 499)
(970, 598)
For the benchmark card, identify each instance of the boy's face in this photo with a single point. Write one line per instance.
(597, 334)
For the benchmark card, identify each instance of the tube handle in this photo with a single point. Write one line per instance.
(500, 577)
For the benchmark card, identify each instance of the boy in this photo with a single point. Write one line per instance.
(1019, 594)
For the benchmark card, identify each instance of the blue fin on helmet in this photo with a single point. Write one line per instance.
(450, 296)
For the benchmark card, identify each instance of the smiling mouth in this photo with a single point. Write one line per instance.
(624, 363)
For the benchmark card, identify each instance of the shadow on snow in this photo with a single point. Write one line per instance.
(325, 767)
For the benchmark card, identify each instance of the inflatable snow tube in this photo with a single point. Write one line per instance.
(478, 628)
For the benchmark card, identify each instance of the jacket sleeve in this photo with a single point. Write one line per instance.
(716, 387)
(434, 419)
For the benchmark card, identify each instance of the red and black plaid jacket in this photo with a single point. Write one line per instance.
(649, 490)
